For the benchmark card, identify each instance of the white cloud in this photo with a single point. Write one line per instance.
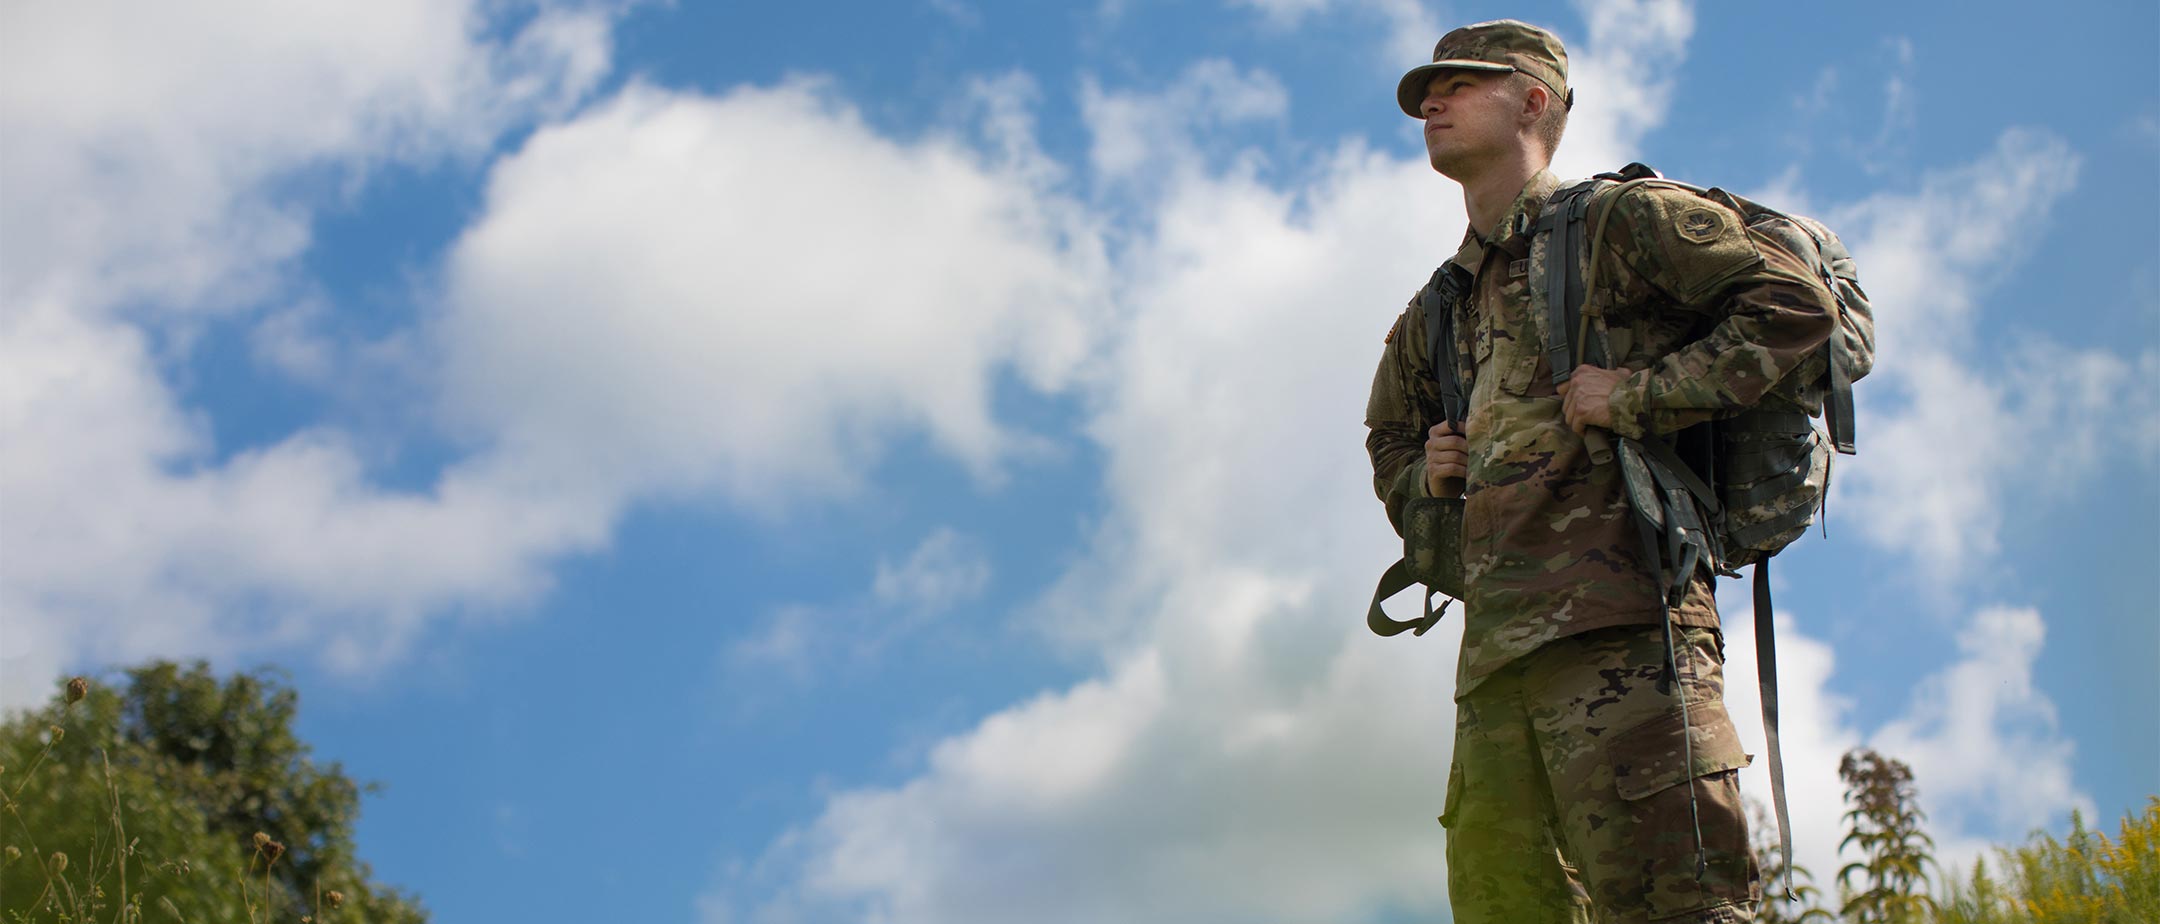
(1409, 28)
(668, 295)
(142, 152)
(947, 568)
(653, 302)
(960, 12)
(1147, 139)
(1623, 81)
(139, 145)
(1921, 485)
(1990, 760)
(1983, 741)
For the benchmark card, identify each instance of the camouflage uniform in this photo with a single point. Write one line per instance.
(1567, 794)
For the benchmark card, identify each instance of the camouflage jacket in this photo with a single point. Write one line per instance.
(1706, 314)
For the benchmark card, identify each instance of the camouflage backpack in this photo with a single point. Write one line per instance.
(1759, 476)
(1737, 490)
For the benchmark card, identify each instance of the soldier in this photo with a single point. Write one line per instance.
(1569, 796)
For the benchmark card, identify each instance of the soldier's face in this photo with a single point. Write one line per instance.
(1469, 120)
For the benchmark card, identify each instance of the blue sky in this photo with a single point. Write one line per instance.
(903, 462)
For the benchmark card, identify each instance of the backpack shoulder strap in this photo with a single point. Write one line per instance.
(1439, 300)
(1562, 225)
(1571, 253)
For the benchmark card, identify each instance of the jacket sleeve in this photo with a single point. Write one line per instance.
(1765, 311)
(1395, 439)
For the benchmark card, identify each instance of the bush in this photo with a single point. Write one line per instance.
(184, 795)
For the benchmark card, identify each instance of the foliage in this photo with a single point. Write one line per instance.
(1884, 823)
(1806, 903)
(184, 795)
(2085, 878)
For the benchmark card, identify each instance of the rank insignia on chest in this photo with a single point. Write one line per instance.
(1699, 225)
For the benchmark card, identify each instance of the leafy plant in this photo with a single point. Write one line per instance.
(1806, 904)
(1884, 823)
(181, 794)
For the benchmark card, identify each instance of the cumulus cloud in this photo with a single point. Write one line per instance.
(1623, 78)
(1144, 139)
(1926, 258)
(1989, 756)
(668, 294)
(138, 146)
(1408, 27)
(148, 161)
(650, 302)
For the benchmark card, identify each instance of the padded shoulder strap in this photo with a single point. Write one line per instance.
(1561, 224)
(1439, 301)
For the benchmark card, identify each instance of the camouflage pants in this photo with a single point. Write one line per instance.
(1568, 799)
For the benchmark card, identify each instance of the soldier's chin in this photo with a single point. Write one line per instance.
(1450, 164)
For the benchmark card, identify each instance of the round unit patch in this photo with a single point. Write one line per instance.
(1700, 225)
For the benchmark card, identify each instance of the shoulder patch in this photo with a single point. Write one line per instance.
(1680, 242)
(1699, 225)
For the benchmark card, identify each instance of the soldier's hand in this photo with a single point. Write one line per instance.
(1586, 397)
(1447, 461)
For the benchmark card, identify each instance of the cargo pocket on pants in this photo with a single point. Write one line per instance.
(1651, 775)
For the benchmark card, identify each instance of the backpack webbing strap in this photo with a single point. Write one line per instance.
(1561, 225)
(1766, 675)
(1648, 518)
(1392, 582)
(1838, 404)
(1682, 473)
(1439, 299)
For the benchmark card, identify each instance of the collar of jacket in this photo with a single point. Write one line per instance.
(1515, 224)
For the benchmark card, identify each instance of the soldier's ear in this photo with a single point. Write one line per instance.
(1536, 98)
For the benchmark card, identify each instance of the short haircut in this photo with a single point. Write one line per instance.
(1553, 123)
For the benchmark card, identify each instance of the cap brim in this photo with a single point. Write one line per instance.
(1410, 91)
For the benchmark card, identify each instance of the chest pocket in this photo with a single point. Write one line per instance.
(1510, 333)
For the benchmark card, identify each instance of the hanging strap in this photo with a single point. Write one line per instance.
(1394, 581)
(1838, 404)
(1649, 518)
(1766, 675)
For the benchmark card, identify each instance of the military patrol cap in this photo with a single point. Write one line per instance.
(1503, 46)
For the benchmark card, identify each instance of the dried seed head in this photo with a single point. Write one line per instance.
(13, 852)
(261, 840)
(58, 861)
(56, 732)
(275, 850)
(336, 897)
(77, 689)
